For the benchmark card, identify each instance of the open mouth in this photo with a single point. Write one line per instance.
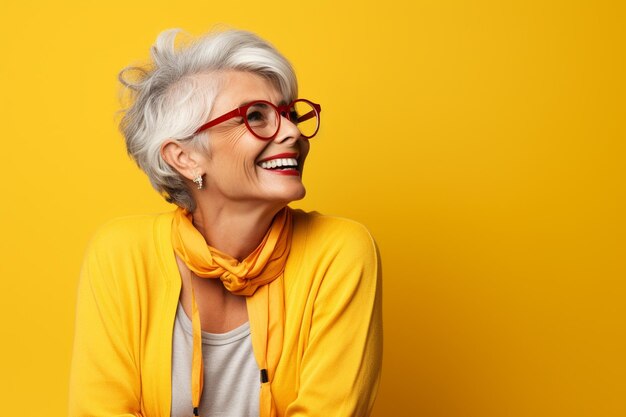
(285, 164)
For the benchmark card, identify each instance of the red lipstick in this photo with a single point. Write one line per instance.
(280, 155)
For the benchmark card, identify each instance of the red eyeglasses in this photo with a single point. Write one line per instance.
(262, 118)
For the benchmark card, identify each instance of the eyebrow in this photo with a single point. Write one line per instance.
(283, 102)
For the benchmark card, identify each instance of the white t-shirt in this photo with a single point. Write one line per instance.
(231, 374)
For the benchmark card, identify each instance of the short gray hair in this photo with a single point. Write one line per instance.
(167, 103)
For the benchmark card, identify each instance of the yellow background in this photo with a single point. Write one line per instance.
(482, 142)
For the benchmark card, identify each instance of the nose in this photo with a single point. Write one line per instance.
(288, 131)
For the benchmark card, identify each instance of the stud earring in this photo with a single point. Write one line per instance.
(198, 181)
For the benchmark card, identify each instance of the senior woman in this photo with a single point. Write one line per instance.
(233, 304)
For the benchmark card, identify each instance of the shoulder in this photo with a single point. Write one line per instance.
(125, 233)
(124, 253)
(335, 257)
(330, 245)
(333, 238)
(128, 245)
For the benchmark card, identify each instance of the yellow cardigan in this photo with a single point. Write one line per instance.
(128, 294)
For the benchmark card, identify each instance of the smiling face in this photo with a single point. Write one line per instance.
(242, 168)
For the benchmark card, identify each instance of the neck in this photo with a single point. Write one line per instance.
(236, 230)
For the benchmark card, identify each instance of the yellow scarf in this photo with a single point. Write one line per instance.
(259, 277)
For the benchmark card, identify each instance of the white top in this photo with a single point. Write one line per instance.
(231, 374)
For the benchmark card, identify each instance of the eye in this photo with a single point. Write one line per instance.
(294, 116)
(259, 114)
(255, 116)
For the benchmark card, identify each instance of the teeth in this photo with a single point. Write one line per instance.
(284, 162)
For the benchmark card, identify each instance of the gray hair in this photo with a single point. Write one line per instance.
(167, 102)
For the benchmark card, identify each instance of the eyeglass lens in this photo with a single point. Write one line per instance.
(306, 118)
(262, 119)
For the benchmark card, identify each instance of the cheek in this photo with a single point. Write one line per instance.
(227, 146)
(236, 151)
(230, 138)
(304, 149)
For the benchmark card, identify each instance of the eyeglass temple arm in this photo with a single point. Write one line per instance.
(310, 114)
(221, 119)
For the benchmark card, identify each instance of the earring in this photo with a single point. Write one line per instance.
(198, 181)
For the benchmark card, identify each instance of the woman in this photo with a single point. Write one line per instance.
(292, 327)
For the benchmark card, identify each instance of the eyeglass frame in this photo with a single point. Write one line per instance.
(282, 111)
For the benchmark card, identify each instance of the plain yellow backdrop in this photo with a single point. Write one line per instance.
(482, 142)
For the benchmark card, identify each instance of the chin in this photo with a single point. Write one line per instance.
(287, 196)
(301, 195)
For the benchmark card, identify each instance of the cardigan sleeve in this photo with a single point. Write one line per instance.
(341, 365)
(104, 380)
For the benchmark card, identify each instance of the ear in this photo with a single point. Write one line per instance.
(182, 158)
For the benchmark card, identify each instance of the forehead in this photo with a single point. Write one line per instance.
(238, 87)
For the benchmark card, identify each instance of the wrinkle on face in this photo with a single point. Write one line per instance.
(229, 138)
